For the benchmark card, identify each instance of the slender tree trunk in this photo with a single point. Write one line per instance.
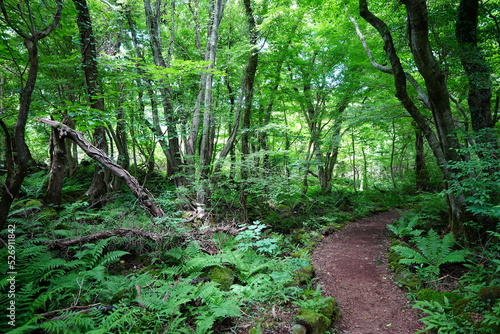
(148, 87)
(353, 159)
(475, 65)
(422, 177)
(364, 184)
(244, 103)
(205, 104)
(20, 155)
(101, 179)
(121, 134)
(172, 149)
(393, 153)
(445, 144)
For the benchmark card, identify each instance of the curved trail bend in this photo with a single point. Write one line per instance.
(351, 266)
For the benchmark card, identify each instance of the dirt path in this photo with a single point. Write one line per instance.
(352, 267)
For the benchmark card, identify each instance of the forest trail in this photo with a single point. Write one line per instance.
(351, 265)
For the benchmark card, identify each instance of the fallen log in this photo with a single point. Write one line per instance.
(117, 232)
(145, 198)
(124, 232)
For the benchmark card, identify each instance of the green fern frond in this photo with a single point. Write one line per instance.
(410, 256)
(198, 264)
(111, 258)
(53, 263)
(431, 251)
(192, 250)
(228, 308)
(49, 296)
(176, 253)
(121, 318)
(30, 250)
(435, 249)
(204, 323)
(171, 271)
(454, 257)
(96, 273)
(207, 291)
(92, 252)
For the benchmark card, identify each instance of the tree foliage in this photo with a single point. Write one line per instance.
(225, 112)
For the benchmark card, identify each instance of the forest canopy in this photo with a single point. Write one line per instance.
(255, 100)
(250, 121)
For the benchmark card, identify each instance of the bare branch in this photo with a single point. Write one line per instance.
(145, 198)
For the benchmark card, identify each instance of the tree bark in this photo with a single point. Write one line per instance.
(445, 144)
(421, 174)
(21, 155)
(100, 182)
(58, 165)
(147, 82)
(475, 65)
(244, 102)
(172, 150)
(142, 194)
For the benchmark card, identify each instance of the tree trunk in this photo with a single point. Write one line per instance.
(101, 179)
(58, 165)
(444, 146)
(147, 82)
(20, 155)
(421, 174)
(121, 134)
(172, 149)
(475, 65)
(208, 127)
(143, 195)
(245, 98)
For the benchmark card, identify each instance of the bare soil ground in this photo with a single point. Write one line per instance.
(352, 268)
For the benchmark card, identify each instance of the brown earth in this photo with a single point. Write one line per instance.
(351, 266)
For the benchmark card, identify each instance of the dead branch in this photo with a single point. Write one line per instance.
(224, 229)
(86, 308)
(145, 198)
(119, 232)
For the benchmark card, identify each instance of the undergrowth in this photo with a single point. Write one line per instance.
(470, 301)
(175, 288)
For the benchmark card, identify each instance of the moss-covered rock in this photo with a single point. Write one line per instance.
(303, 275)
(302, 253)
(461, 305)
(298, 329)
(315, 323)
(329, 229)
(489, 294)
(409, 281)
(329, 308)
(393, 258)
(223, 276)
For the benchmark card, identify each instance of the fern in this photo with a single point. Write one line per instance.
(92, 253)
(404, 228)
(432, 252)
